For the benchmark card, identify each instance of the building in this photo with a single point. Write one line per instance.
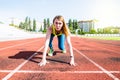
(86, 25)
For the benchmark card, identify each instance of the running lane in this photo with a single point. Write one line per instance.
(92, 57)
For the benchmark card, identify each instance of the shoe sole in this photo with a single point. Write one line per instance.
(50, 54)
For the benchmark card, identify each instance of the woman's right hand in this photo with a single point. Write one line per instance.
(43, 63)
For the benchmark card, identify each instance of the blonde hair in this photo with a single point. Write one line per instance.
(64, 29)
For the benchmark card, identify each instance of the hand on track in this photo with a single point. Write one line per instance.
(43, 63)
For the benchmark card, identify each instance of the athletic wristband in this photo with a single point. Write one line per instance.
(71, 56)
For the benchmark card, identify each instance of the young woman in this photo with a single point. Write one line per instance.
(59, 29)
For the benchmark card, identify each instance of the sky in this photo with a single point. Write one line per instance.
(107, 12)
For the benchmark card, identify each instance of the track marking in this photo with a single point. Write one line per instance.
(17, 68)
(100, 67)
(31, 71)
(17, 45)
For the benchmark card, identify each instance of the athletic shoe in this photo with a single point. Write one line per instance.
(50, 53)
(64, 51)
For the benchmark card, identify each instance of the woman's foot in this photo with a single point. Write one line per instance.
(50, 53)
(64, 51)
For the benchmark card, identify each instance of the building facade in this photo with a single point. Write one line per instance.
(86, 26)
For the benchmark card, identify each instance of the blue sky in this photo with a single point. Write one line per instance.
(106, 11)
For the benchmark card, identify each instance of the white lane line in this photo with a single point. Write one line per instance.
(17, 45)
(22, 64)
(31, 71)
(104, 70)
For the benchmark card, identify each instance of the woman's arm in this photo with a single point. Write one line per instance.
(44, 61)
(72, 62)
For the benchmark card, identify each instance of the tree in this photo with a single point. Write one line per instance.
(21, 25)
(26, 23)
(73, 24)
(70, 24)
(34, 25)
(48, 22)
(29, 25)
(45, 24)
(76, 24)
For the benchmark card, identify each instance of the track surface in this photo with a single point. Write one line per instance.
(96, 59)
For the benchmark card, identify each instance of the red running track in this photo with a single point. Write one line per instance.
(96, 59)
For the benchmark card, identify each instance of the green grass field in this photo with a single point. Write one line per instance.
(103, 37)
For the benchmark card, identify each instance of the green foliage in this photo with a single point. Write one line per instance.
(21, 25)
(45, 24)
(70, 25)
(48, 22)
(99, 31)
(73, 25)
(30, 25)
(27, 25)
(92, 31)
(11, 24)
(44, 31)
(34, 25)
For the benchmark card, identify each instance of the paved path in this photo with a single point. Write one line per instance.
(11, 33)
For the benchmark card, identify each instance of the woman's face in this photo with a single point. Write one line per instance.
(58, 24)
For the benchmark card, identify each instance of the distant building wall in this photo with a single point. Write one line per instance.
(86, 26)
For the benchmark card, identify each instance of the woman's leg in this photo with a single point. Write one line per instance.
(51, 51)
(61, 42)
(50, 43)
